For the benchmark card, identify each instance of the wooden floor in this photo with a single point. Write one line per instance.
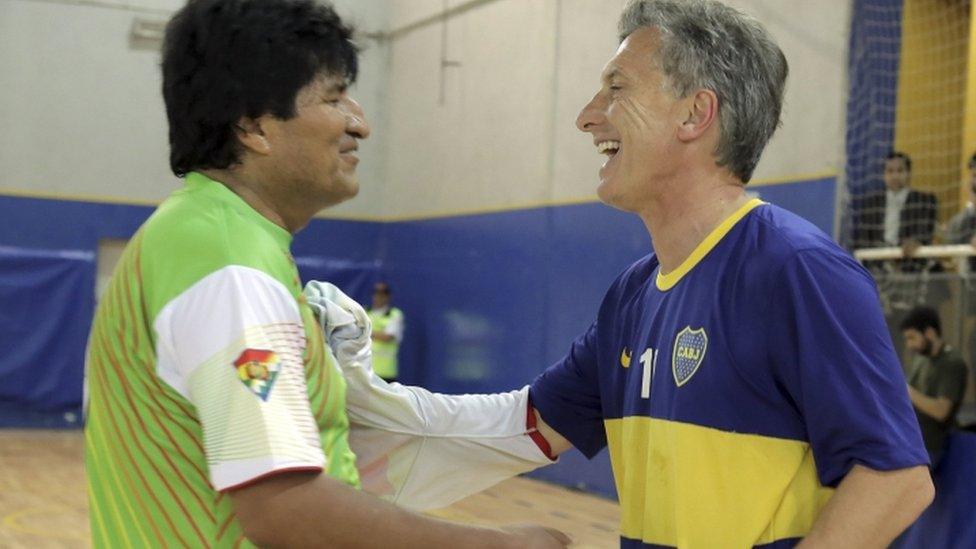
(43, 503)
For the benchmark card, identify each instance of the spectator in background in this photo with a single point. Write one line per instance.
(961, 229)
(937, 378)
(897, 216)
(387, 332)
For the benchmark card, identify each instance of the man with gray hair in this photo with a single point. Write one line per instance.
(741, 374)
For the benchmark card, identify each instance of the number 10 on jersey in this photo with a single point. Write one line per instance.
(648, 362)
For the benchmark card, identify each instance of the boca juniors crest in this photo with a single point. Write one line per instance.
(257, 369)
(689, 351)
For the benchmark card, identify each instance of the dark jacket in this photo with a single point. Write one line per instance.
(917, 219)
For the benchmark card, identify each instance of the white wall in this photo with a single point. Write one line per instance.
(82, 113)
(505, 135)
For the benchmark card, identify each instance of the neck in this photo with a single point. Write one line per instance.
(251, 191)
(936, 348)
(685, 212)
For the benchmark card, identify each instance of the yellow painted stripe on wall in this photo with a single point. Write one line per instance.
(783, 180)
(969, 113)
(690, 486)
(931, 95)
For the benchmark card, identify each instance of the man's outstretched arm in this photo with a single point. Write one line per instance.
(314, 510)
(557, 443)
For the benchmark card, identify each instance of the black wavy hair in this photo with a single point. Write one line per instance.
(920, 318)
(906, 160)
(227, 59)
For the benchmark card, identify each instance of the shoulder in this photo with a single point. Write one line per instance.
(921, 196)
(635, 275)
(780, 248)
(870, 198)
(189, 238)
(954, 359)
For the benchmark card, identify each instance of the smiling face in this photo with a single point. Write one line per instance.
(896, 174)
(634, 121)
(917, 342)
(314, 151)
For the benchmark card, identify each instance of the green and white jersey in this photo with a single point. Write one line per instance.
(206, 371)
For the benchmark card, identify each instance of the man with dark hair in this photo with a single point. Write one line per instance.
(937, 378)
(216, 417)
(897, 215)
(961, 228)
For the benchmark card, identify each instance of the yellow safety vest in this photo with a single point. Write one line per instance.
(385, 352)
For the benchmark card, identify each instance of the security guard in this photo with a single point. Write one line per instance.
(387, 332)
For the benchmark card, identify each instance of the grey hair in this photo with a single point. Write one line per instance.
(707, 45)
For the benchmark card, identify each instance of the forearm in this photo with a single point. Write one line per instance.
(379, 336)
(557, 443)
(871, 508)
(305, 511)
(936, 408)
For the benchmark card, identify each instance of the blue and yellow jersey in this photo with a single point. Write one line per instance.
(736, 391)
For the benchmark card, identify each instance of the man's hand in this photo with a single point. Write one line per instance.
(537, 537)
(909, 247)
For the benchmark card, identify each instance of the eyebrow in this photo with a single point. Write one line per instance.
(338, 87)
(612, 73)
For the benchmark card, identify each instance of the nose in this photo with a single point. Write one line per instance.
(592, 115)
(356, 124)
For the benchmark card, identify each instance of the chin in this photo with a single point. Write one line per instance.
(610, 196)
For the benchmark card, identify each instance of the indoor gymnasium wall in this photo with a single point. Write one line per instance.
(84, 160)
(82, 107)
(477, 199)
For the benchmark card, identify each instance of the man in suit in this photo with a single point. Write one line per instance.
(897, 215)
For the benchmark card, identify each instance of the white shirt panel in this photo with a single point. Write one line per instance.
(232, 344)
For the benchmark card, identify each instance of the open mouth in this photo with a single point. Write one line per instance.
(608, 148)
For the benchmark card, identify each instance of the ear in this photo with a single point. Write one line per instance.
(251, 133)
(701, 114)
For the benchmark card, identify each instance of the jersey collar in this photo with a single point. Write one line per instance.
(667, 281)
(197, 182)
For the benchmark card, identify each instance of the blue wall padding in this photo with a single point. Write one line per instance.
(949, 522)
(47, 295)
(812, 200)
(46, 304)
(490, 300)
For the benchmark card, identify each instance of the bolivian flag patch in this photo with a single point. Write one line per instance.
(257, 369)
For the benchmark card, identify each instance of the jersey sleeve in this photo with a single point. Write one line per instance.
(233, 344)
(953, 384)
(567, 396)
(833, 353)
